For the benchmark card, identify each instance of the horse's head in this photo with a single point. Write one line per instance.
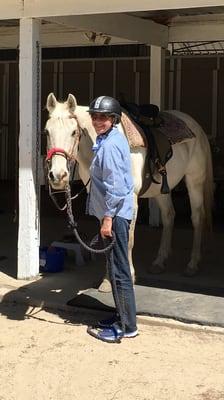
(62, 139)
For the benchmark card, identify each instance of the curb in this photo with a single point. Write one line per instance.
(12, 295)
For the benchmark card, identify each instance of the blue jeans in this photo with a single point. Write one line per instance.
(122, 273)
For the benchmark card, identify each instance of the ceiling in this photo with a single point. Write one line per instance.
(165, 17)
(169, 18)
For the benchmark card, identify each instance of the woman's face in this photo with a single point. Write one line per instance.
(102, 122)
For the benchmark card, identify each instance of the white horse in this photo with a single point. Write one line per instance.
(71, 135)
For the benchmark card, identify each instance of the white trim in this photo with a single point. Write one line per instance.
(91, 82)
(171, 83)
(214, 103)
(60, 78)
(137, 87)
(55, 76)
(114, 75)
(5, 129)
(178, 83)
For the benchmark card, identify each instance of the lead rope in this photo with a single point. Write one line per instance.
(107, 250)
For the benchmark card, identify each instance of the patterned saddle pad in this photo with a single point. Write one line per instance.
(134, 133)
(174, 128)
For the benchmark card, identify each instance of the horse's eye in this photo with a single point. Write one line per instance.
(73, 133)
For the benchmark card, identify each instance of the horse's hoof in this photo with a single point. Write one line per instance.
(105, 287)
(156, 269)
(189, 272)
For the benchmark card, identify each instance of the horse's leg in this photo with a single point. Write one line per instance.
(105, 285)
(167, 215)
(195, 192)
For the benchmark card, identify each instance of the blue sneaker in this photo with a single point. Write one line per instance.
(112, 334)
(106, 323)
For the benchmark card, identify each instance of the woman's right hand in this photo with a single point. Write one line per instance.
(106, 227)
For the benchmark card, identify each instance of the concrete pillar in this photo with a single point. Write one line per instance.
(157, 85)
(29, 148)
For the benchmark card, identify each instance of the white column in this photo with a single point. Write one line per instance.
(157, 84)
(157, 76)
(29, 148)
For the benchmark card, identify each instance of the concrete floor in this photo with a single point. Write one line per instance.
(197, 299)
(53, 227)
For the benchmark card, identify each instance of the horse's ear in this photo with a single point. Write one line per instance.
(72, 103)
(51, 102)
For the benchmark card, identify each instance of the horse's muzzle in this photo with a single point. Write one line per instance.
(58, 181)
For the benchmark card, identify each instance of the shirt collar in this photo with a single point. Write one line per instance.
(99, 140)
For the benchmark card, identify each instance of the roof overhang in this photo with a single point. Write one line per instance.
(42, 8)
(80, 23)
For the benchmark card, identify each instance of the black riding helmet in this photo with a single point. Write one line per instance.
(106, 105)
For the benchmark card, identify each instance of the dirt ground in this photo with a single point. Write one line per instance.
(47, 357)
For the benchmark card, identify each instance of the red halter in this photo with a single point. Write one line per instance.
(55, 150)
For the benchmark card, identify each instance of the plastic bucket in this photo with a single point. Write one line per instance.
(52, 259)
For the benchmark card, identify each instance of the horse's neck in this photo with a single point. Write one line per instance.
(88, 137)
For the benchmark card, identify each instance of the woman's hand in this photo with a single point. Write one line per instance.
(106, 227)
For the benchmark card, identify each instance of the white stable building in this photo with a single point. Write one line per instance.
(175, 26)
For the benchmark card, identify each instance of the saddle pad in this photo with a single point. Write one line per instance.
(174, 128)
(134, 133)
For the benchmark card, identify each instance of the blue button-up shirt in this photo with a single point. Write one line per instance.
(111, 190)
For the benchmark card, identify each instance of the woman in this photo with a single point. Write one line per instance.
(111, 201)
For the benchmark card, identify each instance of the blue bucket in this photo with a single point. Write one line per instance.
(52, 259)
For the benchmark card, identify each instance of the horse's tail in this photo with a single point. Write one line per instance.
(208, 189)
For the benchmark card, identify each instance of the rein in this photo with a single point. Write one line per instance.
(53, 197)
(108, 243)
(68, 204)
(73, 226)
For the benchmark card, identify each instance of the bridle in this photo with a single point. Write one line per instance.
(69, 156)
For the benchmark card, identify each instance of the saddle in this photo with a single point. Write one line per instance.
(159, 146)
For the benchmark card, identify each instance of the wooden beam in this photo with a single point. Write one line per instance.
(42, 8)
(29, 147)
(11, 9)
(55, 36)
(32, 8)
(120, 25)
(190, 31)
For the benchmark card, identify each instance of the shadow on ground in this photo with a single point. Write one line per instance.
(75, 287)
